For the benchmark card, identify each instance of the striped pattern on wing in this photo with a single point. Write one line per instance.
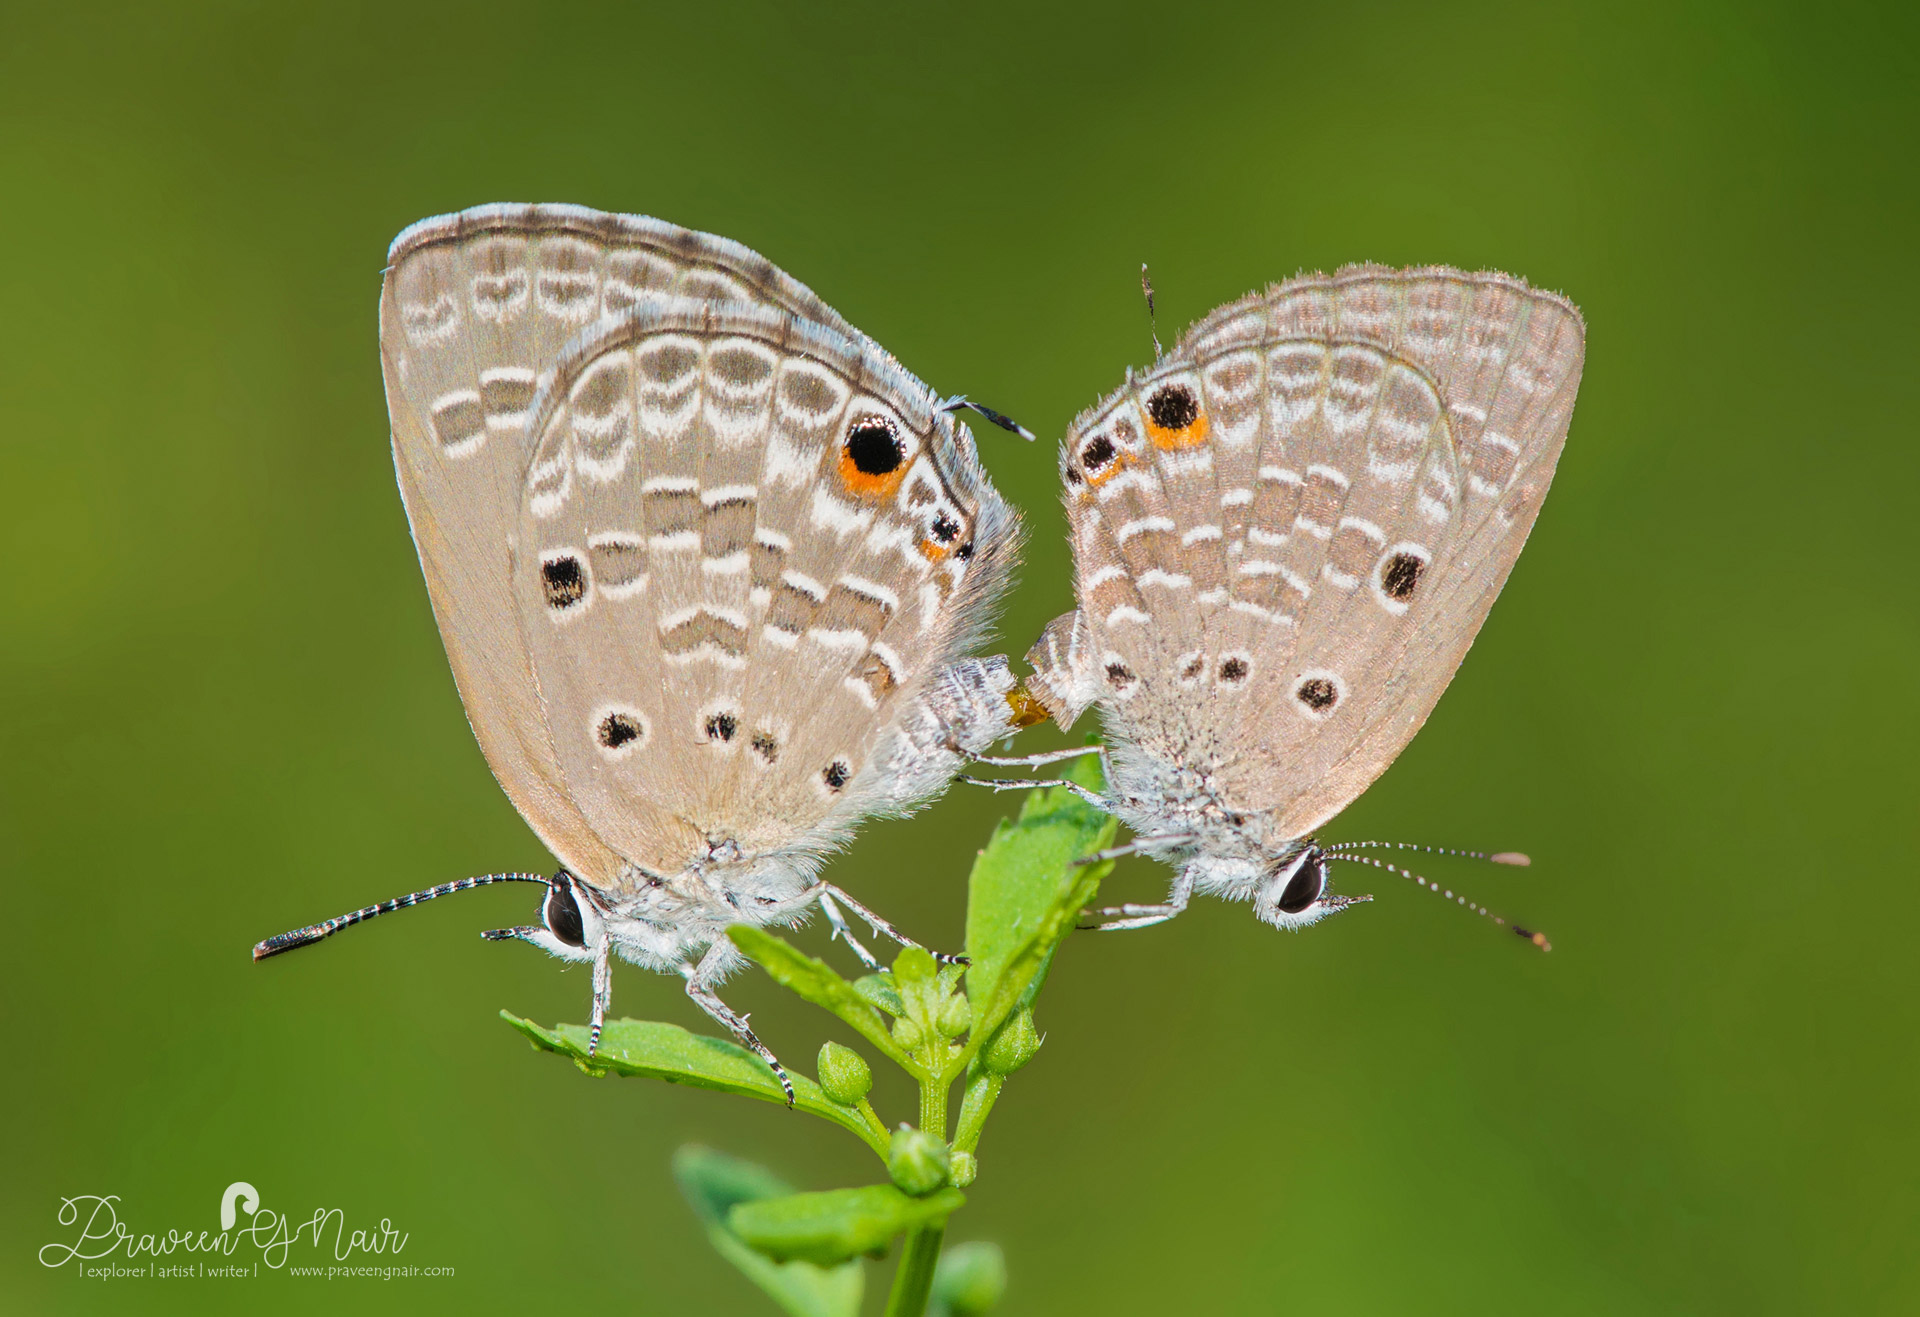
(474, 311)
(1289, 531)
(731, 586)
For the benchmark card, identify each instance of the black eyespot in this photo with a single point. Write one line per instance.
(722, 726)
(1074, 477)
(964, 552)
(765, 746)
(563, 915)
(1317, 693)
(836, 774)
(1097, 452)
(1195, 666)
(564, 580)
(945, 528)
(1304, 888)
(617, 729)
(1402, 574)
(1233, 671)
(1119, 675)
(874, 449)
(1173, 407)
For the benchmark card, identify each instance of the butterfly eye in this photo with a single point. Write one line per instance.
(563, 916)
(1308, 881)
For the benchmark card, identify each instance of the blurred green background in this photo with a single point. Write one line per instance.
(224, 710)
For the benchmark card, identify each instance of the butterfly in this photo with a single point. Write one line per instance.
(708, 564)
(1286, 535)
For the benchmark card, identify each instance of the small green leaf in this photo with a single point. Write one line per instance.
(1025, 893)
(831, 1227)
(816, 981)
(878, 990)
(713, 1183)
(666, 1051)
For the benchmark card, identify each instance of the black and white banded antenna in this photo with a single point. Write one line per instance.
(1146, 289)
(1338, 851)
(301, 937)
(960, 401)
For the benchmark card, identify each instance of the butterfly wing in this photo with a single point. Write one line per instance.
(1288, 533)
(749, 544)
(474, 311)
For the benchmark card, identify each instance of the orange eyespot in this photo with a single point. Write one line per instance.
(873, 461)
(1174, 418)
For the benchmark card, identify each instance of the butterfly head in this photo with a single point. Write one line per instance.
(572, 922)
(1293, 893)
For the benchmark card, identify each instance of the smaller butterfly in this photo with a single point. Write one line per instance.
(1286, 535)
(707, 563)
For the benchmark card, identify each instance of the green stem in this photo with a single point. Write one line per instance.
(983, 1087)
(933, 1106)
(913, 1282)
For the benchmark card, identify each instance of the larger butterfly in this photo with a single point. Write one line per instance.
(706, 562)
(1286, 534)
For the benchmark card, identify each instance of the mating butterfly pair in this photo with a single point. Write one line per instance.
(710, 567)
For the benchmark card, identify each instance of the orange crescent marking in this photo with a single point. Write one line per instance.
(1122, 459)
(872, 488)
(1173, 440)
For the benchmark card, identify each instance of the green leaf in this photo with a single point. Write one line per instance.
(666, 1051)
(828, 1228)
(1025, 894)
(816, 980)
(713, 1183)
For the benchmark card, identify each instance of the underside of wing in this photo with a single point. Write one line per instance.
(1289, 531)
(473, 315)
(747, 543)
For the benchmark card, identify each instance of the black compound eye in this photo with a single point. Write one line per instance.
(1305, 887)
(563, 916)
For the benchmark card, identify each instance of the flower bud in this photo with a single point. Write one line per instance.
(1013, 1046)
(971, 1278)
(965, 1167)
(956, 1013)
(908, 1033)
(917, 1161)
(845, 1076)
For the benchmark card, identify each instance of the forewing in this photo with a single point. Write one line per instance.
(473, 314)
(1316, 549)
(731, 586)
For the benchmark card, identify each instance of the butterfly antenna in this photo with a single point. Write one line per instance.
(1517, 858)
(1146, 288)
(1538, 939)
(312, 933)
(1001, 419)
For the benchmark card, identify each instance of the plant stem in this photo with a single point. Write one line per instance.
(933, 1107)
(913, 1282)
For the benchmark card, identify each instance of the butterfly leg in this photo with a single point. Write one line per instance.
(881, 928)
(1144, 916)
(1138, 846)
(1048, 757)
(699, 979)
(841, 931)
(1093, 798)
(602, 994)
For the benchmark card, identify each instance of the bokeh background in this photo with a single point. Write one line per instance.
(224, 710)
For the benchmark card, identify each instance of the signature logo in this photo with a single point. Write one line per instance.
(272, 1235)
